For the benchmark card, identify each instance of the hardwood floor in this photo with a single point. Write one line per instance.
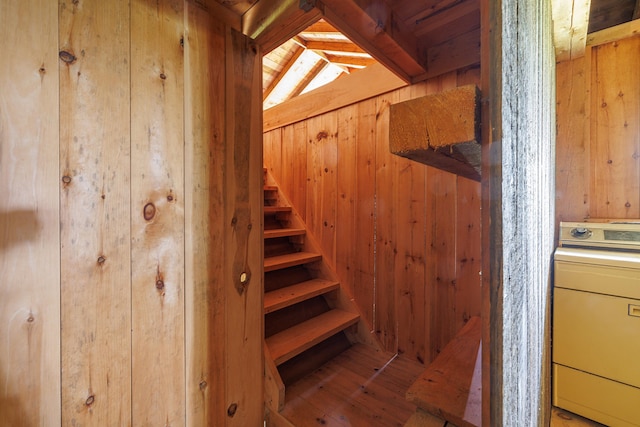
(360, 387)
(365, 388)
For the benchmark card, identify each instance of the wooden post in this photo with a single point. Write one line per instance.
(518, 189)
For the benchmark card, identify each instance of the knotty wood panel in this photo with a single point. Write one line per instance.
(242, 279)
(598, 105)
(615, 126)
(29, 215)
(409, 256)
(95, 212)
(321, 184)
(572, 147)
(157, 217)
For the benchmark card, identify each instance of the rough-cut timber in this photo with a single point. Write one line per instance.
(450, 387)
(439, 130)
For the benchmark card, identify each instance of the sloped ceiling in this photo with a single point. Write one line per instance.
(415, 39)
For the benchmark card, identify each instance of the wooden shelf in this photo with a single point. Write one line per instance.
(283, 232)
(284, 297)
(293, 341)
(289, 260)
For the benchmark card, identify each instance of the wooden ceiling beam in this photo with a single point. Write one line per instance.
(317, 69)
(272, 22)
(373, 26)
(333, 46)
(570, 24)
(350, 61)
(446, 13)
(282, 73)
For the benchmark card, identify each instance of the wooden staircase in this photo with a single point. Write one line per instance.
(305, 322)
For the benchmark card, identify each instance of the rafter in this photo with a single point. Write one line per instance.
(332, 46)
(372, 25)
(304, 82)
(285, 69)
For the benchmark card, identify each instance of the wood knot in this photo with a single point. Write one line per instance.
(232, 409)
(101, 259)
(149, 211)
(66, 179)
(159, 285)
(170, 198)
(30, 319)
(203, 385)
(67, 57)
(90, 400)
(322, 135)
(163, 76)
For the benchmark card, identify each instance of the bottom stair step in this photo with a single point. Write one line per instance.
(293, 341)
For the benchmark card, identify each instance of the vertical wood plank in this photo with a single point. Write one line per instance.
(321, 187)
(410, 265)
(157, 218)
(468, 250)
(272, 153)
(441, 267)
(386, 250)
(572, 145)
(615, 144)
(364, 259)
(294, 165)
(204, 224)
(243, 275)
(95, 212)
(29, 215)
(346, 176)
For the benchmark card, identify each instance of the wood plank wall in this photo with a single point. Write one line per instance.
(130, 203)
(404, 237)
(598, 143)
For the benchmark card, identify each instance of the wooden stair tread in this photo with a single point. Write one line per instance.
(289, 295)
(289, 260)
(283, 232)
(451, 386)
(293, 341)
(270, 187)
(276, 209)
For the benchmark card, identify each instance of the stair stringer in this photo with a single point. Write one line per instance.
(344, 297)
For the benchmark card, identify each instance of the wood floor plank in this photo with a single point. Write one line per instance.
(341, 393)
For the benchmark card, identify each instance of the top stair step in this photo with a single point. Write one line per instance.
(289, 260)
(293, 341)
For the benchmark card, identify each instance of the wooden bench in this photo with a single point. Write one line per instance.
(451, 386)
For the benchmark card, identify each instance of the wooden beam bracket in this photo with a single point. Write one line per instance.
(440, 130)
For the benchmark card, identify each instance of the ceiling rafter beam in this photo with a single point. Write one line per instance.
(444, 15)
(272, 22)
(373, 26)
(334, 46)
(570, 25)
(317, 69)
(350, 61)
(285, 69)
